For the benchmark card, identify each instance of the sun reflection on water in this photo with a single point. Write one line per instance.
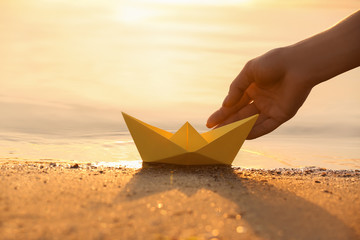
(267, 156)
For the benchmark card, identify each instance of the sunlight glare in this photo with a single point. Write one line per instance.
(133, 14)
(197, 2)
(137, 11)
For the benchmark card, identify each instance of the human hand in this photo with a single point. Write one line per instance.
(276, 84)
(267, 85)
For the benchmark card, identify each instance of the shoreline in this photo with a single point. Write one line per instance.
(135, 165)
(57, 200)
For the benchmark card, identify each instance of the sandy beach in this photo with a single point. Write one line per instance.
(68, 69)
(79, 201)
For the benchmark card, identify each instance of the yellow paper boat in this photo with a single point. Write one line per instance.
(187, 146)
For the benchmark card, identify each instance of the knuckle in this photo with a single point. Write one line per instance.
(248, 64)
(285, 116)
(233, 86)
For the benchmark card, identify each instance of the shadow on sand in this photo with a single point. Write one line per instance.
(279, 214)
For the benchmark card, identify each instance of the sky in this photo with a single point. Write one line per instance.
(71, 67)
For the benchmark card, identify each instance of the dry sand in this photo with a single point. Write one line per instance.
(59, 201)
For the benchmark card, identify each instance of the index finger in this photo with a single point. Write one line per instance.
(225, 112)
(238, 86)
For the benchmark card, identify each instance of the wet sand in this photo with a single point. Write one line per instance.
(63, 201)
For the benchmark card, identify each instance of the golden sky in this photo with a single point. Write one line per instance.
(78, 64)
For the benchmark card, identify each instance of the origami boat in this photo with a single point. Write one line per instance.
(187, 146)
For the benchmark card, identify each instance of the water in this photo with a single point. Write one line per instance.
(69, 68)
(118, 148)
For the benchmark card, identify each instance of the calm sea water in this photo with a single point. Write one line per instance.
(269, 152)
(68, 69)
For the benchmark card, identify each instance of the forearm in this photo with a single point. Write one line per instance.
(327, 54)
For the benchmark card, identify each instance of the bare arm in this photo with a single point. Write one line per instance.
(276, 84)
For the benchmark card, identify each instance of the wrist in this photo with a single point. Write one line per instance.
(301, 66)
(293, 65)
(327, 54)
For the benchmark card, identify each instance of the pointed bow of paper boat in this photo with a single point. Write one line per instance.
(187, 146)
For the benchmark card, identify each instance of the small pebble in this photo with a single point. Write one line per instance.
(327, 191)
(75, 166)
